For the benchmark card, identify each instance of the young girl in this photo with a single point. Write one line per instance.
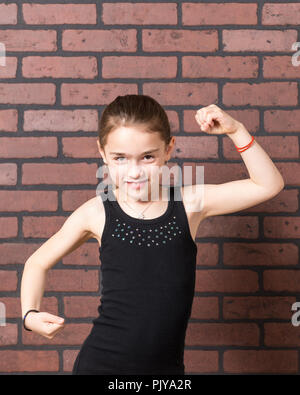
(147, 242)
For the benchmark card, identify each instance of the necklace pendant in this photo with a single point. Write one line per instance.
(141, 216)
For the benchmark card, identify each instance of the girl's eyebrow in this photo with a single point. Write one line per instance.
(146, 152)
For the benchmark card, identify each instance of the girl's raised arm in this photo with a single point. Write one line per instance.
(265, 180)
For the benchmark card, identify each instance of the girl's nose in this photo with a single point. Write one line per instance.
(134, 171)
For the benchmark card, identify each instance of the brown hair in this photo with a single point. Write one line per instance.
(130, 110)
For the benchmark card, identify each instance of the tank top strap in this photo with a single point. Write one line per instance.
(104, 196)
(181, 215)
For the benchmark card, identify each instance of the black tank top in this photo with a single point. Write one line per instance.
(147, 287)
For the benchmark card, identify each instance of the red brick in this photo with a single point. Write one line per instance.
(80, 147)
(286, 201)
(94, 94)
(8, 14)
(10, 69)
(260, 94)
(69, 357)
(281, 14)
(173, 121)
(219, 280)
(220, 67)
(83, 67)
(260, 361)
(29, 40)
(9, 120)
(139, 14)
(72, 199)
(220, 334)
(58, 173)
(61, 120)
(257, 307)
(205, 307)
(110, 40)
(229, 226)
(260, 254)
(139, 67)
(28, 147)
(217, 173)
(28, 361)
(282, 120)
(16, 253)
(219, 14)
(281, 280)
(290, 172)
(29, 93)
(279, 334)
(8, 334)
(196, 147)
(72, 334)
(279, 67)
(282, 227)
(258, 40)
(69, 280)
(207, 254)
(182, 93)
(8, 280)
(81, 306)
(86, 255)
(249, 118)
(8, 227)
(28, 201)
(8, 173)
(55, 14)
(42, 226)
(201, 361)
(164, 40)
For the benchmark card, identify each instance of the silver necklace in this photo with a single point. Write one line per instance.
(140, 215)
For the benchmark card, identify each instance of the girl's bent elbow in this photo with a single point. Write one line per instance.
(35, 264)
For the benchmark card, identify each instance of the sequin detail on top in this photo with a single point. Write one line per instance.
(156, 235)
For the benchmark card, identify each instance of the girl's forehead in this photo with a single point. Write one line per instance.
(126, 140)
(133, 131)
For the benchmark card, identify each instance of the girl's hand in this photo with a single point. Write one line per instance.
(213, 120)
(45, 324)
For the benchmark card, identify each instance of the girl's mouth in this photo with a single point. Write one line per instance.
(136, 185)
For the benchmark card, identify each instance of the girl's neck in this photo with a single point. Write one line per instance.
(122, 196)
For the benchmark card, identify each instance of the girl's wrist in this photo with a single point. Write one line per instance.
(26, 318)
(241, 136)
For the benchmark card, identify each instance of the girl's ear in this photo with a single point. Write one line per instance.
(101, 152)
(170, 147)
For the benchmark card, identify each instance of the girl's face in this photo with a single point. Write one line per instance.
(135, 159)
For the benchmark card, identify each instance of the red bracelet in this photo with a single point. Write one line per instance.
(242, 149)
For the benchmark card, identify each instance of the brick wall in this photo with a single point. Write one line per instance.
(65, 61)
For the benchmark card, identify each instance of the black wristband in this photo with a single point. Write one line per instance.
(26, 316)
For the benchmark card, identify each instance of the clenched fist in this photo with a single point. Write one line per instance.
(45, 324)
(213, 120)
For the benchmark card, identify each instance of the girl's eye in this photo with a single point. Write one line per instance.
(148, 156)
(121, 157)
